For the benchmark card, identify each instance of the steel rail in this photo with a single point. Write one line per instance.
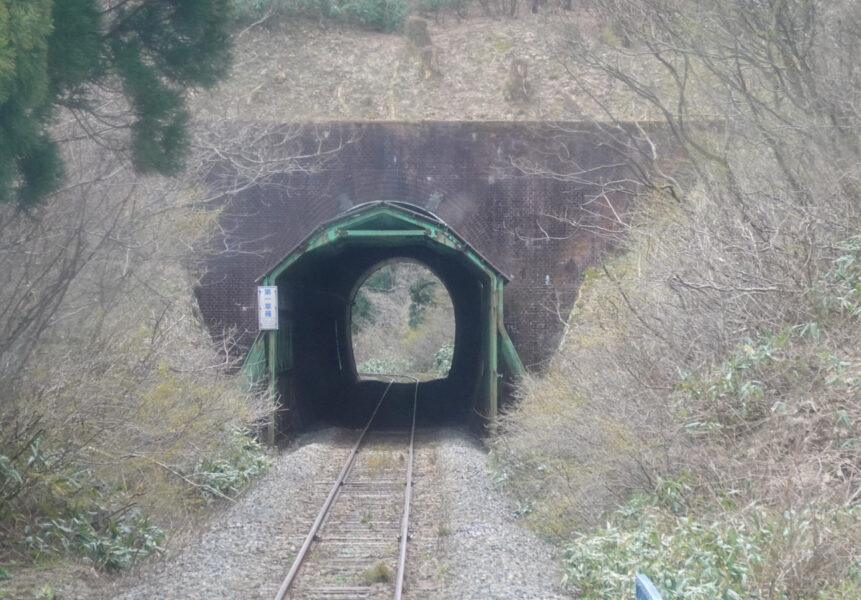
(408, 494)
(294, 569)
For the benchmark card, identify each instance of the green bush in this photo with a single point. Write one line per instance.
(385, 365)
(108, 542)
(442, 358)
(422, 296)
(363, 311)
(228, 474)
(47, 508)
(69, 512)
(384, 15)
(380, 280)
(839, 289)
(381, 15)
(714, 556)
(252, 9)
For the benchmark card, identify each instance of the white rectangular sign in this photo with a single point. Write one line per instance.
(267, 307)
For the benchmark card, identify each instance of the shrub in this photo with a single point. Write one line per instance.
(47, 508)
(422, 296)
(384, 15)
(757, 554)
(442, 358)
(241, 462)
(381, 15)
(386, 365)
(247, 10)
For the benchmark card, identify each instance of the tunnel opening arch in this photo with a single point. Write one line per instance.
(308, 361)
(421, 272)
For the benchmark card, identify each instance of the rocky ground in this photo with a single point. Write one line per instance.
(471, 546)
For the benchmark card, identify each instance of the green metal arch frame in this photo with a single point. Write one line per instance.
(413, 225)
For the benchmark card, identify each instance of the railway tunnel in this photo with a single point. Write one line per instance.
(308, 360)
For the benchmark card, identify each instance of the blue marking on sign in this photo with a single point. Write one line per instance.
(267, 292)
(268, 313)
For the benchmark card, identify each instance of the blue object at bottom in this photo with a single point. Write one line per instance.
(645, 589)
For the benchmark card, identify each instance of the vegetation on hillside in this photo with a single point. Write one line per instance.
(79, 55)
(380, 15)
(702, 422)
(403, 322)
(118, 414)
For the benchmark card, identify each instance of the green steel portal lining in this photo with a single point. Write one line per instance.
(398, 224)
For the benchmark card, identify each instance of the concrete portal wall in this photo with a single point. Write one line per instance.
(499, 185)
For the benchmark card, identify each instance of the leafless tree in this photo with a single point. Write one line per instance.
(102, 354)
(725, 247)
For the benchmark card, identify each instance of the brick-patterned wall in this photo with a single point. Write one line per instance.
(478, 177)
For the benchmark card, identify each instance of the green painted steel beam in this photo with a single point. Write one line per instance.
(407, 233)
(492, 350)
(341, 229)
(509, 355)
(340, 234)
(506, 347)
(254, 367)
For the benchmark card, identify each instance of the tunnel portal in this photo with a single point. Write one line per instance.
(308, 361)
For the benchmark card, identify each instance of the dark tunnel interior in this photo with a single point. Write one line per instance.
(318, 383)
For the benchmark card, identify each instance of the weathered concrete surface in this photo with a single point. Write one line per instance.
(540, 201)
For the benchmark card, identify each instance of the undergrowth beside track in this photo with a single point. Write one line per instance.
(701, 421)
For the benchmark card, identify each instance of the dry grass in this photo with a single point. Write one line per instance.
(648, 389)
(323, 70)
(379, 573)
(716, 352)
(114, 401)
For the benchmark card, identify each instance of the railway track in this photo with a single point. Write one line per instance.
(357, 546)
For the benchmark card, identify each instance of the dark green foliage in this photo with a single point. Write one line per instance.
(229, 473)
(75, 50)
(385, 15)
(422, 295)
(47, 508)
(25, 26)
(53, 53)
(380, 280)
(362, 312)
(380, 15)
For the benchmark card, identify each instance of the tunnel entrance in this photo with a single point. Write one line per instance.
(402, 322)
(308, 361)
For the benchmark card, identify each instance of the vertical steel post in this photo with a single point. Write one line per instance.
(272, 362)
(492, 349)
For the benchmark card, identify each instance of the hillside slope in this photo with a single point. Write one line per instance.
(293, 69)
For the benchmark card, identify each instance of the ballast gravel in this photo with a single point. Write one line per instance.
(246, 552)
(489, 554)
